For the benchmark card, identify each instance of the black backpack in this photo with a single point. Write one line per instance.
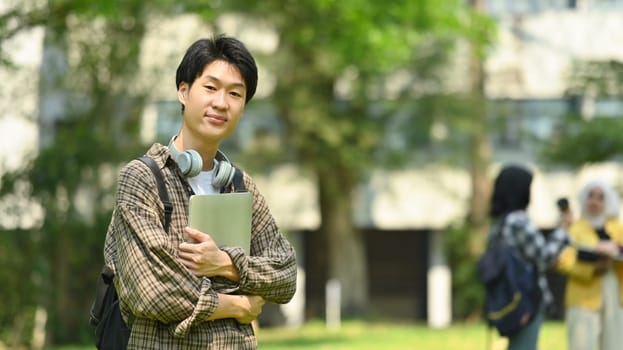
(511, 287)
(111, 332)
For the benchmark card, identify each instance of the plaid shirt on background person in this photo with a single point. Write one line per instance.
(520, 232)
(169, 305)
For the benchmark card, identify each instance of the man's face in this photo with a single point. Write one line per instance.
(214, 103)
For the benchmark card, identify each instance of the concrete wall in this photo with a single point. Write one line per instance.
(533, 53)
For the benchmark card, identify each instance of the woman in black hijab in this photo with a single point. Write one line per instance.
(510, 222)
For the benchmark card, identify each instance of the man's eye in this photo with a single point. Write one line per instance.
(210, 87)
(236, 93)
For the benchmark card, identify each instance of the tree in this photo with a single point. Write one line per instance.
(89, 123)
(588, 139)
(338, 137)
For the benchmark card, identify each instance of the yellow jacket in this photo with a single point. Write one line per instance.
(583, 284)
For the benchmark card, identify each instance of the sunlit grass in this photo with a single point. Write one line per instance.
(387, 336)
(361, 335)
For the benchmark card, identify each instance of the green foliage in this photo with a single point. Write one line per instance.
(440, 126)
(16, 17)
(582, 141)
(588, 140)
(467, 292)
(73, 176)
(325, 42)
(18, 256)
(595, 78)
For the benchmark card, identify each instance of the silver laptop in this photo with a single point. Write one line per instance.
(226, 217)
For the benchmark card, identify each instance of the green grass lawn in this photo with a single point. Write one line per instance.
(387, 336)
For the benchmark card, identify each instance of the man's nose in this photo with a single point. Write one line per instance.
(219, 99)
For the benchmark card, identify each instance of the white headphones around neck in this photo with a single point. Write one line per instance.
(191, 163)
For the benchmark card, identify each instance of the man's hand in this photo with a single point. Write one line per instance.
(252, 308)
(204, 258)
(243, 308)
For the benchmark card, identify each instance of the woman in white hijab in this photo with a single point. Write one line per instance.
(593, 297)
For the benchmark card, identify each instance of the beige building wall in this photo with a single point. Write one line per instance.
(533, 53)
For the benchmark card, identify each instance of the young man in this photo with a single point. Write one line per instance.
(179, 295)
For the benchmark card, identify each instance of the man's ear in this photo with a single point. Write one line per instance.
(182, 93)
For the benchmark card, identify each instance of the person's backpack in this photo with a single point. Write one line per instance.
(111, 332)
(511, 287)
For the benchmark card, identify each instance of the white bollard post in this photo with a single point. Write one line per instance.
(333, 296)
(439, 285)
(38, 331)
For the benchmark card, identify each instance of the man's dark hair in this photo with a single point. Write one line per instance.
(205, 51)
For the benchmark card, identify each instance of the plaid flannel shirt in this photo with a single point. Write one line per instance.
(170, 306)
(520, 232)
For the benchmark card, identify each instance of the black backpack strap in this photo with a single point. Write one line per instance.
(162, 189)
(239, 181)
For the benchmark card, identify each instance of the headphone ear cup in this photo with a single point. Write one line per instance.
(190, 162)
(224, 174)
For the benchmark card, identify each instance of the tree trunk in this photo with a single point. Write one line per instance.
(346, 252)
(53, 106)
(480, 154)
(305, 95)
(480, 149)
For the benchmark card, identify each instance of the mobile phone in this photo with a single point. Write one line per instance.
(563, 204)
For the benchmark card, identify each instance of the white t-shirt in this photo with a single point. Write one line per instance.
(202, 183)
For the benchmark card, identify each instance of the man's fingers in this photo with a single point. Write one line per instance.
(196, 235)
(185, 255)
(188, 263)
(185, 247)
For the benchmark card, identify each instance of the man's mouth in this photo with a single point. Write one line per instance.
(218, 119)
